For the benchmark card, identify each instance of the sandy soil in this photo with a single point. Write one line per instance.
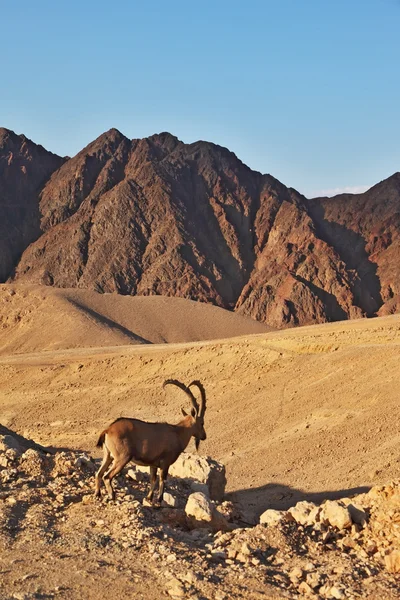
(307, 413)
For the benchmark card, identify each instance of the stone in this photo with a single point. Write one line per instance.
(84, 462)
(199, 509)
(336, 514)
(336, 592)
(175, 588)
(295, 574)
(358, 514)
(203, 470)
(196, 486)
(272, 517)
(313, 579)
(303, 512)
(392, 561)
(304, 588)
(200, 512)
(169, 500)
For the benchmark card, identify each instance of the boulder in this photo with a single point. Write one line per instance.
(336, 514)
(202, 469)
(201, 513)
(199, 509)
(272, 517)
(304, 513)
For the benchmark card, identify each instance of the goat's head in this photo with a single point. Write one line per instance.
(197, 412)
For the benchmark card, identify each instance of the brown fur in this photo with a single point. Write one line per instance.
(156, 445)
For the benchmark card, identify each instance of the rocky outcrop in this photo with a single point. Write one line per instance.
(157, 216)
(341, 549)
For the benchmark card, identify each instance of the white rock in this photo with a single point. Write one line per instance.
(199, 508)
(304, 512)
(202, 469)
(272, 517)
(200, 512)
(336, 592)
(169, 500)
(336, 514)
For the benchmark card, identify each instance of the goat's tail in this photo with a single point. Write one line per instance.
(101, 439)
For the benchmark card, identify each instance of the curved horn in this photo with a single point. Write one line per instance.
(183, 387)
(203, 395)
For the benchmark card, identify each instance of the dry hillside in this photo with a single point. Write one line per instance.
(35, 318)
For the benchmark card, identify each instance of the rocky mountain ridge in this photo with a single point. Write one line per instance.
(157, 216)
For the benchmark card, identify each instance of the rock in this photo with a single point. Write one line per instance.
(199, 509)
(200, 512)
(313, 579)
(272, 517)
(33, 463)
(392, 561)
(336, 515)
(196, 486)
(336, 592)
(304, 588)
(304, 512)
(358, 514)
(203, 470)
(296, 574)
(175, 588)
(169, 500)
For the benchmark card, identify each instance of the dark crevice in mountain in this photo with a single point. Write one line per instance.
(351, 248)
(334, 312)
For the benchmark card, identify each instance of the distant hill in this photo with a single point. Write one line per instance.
(35, 318)
(157, 216)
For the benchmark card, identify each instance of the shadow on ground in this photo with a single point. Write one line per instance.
(254, 501)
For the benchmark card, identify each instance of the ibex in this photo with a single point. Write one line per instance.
(156, 445)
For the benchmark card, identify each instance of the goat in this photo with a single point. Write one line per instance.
(156, 445)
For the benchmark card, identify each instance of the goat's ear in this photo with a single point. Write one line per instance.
(184, 412)
(193, 413)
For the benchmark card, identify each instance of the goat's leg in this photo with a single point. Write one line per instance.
(107, 460)
(163, 477)
(116, 468)
(153, 481)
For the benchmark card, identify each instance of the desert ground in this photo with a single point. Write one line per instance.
(309, 413)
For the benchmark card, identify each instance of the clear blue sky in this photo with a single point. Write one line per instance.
(307, 90)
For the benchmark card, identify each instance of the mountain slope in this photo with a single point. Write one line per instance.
(24, 169)
(155, 216)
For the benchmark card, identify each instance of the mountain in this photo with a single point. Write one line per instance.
(157, 216)
(24, 169)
